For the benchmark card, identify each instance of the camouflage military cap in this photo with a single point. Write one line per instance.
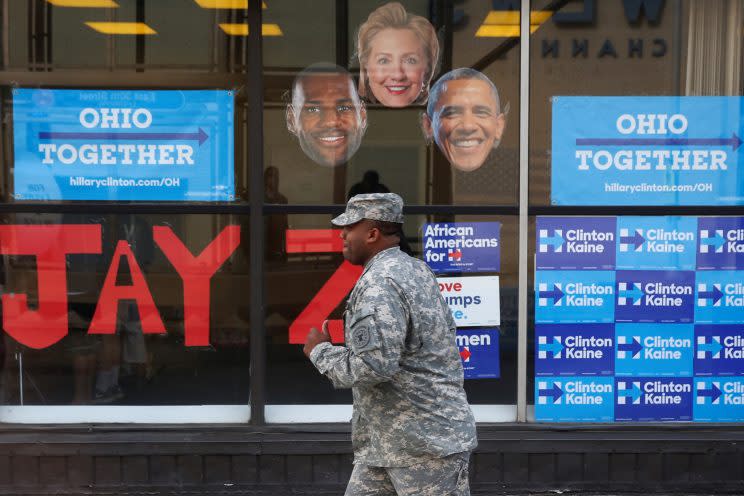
(386, 207)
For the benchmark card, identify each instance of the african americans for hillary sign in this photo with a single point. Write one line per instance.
(123, 145)
(647, 151)
(639, 319)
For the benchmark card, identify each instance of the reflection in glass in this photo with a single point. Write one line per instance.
(398, 54)
(370, 183)
(326, 115)
(464, 118)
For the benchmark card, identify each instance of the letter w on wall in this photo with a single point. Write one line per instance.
(333, 291)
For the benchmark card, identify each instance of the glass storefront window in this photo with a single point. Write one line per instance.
(395, 145)
(124, 311)
(429, 110)
(612, 85)
(309, 279)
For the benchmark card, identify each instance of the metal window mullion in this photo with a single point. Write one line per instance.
(6, 34)
(254, 86)
(524, 121)
(342, 33)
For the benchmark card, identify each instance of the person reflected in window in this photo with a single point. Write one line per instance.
(276, 225)
(370, 183)
(464, 118)
(326, 114)
(398, 54)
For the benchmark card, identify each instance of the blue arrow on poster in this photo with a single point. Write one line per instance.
(647, 151)
(165, 145)
(479, 352)
(462, 246)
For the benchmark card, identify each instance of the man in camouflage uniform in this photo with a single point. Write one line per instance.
(412, 427)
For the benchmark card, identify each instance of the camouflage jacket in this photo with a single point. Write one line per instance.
(403, 366)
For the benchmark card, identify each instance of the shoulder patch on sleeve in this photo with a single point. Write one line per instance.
(361, 337)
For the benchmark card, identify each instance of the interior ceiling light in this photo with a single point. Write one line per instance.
(121, 27)
(225, 4)
(84, 3)
(505, 23)
(242, 29)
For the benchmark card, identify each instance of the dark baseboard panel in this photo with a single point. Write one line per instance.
(317, 459)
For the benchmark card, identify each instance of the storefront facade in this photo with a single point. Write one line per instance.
(166, 241)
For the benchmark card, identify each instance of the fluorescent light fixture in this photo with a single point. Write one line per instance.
(242, 29)
(505, 23)
(94, 4)
(502, 17)
(512, 17)
(121, 27)
(225, 4)
(501, 31)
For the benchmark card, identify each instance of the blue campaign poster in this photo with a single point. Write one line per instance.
(571, 349)
(655, 296)
(462, 246)
(574, 296)
(657, 243)
(479, 351)
(570, 243)
(663, 322)
(647, 151)
(648, 399)
(720, 243)
(663, 350)
(574, 399)
(719, 399)
(719, 350)
(165, 145)
(719, 297)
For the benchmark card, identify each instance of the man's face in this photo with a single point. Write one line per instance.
(329, 120)
(356, 250)
(466, 124)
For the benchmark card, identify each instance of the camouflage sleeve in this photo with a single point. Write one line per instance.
(377, 334)
(451, 324)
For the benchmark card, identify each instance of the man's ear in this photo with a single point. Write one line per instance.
(362, 116)
(426, 127)
(290, 115)
(500, 125)
(373, 235)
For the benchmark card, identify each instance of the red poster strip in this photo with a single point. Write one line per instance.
(314, 241)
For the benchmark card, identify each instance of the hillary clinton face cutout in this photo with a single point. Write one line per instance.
(398, 53)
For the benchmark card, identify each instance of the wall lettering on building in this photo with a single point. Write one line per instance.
(632, 47)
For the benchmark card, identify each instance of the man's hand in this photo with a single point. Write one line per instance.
(315, 337)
